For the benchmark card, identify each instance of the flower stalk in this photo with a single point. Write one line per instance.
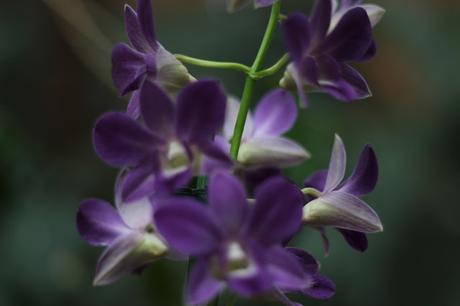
(249, 83)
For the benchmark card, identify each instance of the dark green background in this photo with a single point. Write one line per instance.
(55, 81)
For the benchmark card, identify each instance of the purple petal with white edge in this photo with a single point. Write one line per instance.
(342, 210)
(200, 111)
(323, 288)
(309, 263)
(351, 38)
(188, 226)
(138, 182)
(157, 110)
(351, 86)
(134, 109)
(365, 175)
(296, 31)
(231, 113)
(264, 3)
(304, 101)
(127, 255)
(145, 17)
(320, 20)
(337, 165)
(286, 270)
(275, 114)
(277, 213)
(202, 286)
(120, 141)
(99, 223)
(271, 152)
(134, 31)
(128, 68)
(375, 13)
(227, 200)
(356, 240)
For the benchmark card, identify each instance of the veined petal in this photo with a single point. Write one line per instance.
(138, 182)
(351, 38)
(134, 109)
(188, 226)
(145, 17)
(126, 255)
(271, 152)
(297, 35)
(120, 141)
(99, 223)
(227, 200)
(277, 213)
(157, 110)
(342, 210)
(337, 165)
(202, 285)
(200, 111)
(365, 175)
(275, 114)
(134, 31)
(128, 68)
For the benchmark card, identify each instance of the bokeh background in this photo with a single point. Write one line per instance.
(55, 81)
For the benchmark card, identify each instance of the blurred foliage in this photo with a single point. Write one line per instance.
(55, 78)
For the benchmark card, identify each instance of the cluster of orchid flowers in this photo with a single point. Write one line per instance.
(200, 176)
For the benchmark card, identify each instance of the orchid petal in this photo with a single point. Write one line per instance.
(202, 285)
(157, 110)
(297, 35)
(227, 199)
(187, 226)
(277, 213)
(323, 288)
(356, 240)
(320, 20)
(128, 68)
(200, 111)
(120, 141)
(275, 114)
(99, 223)
(337, 164)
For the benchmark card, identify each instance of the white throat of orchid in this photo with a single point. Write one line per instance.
(176, 159)
(239, 264)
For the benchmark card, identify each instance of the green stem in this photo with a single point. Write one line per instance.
(273, 69)
(212, 64)
(249, 84)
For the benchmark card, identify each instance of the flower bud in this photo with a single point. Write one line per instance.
(341, 211)
(271, 151)
(127, 255)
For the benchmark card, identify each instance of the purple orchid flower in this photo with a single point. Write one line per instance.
(235, 5)
(146, 59)
(262, 145)
(236, 243)
(339, 8)
(128, 233)
(338, 204)
(163, 152)
(321, 54)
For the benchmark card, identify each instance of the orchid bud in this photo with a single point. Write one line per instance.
(332, 210)
(127, 255)
(271, 151)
